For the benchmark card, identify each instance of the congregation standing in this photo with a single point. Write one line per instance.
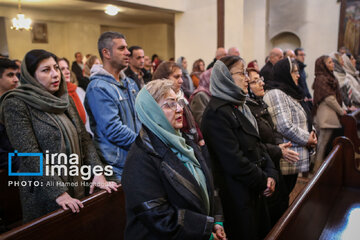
(210, 154)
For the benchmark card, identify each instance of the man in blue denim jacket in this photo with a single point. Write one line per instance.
(109, 102)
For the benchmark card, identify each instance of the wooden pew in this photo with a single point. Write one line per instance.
(103, 217)
(350, 122)
(10, 206)
(328, 206)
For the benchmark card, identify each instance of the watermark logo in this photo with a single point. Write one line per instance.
(60, 164)
(40, 155)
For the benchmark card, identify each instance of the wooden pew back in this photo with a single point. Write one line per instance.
(10, 205)
(103, 217)
(307, 216)
(350, 123)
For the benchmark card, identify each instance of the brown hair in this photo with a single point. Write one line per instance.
(196, 65)
(165, 69)
(91, 60)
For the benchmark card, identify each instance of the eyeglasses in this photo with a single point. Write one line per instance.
(242, 74)
(257, 81)
(296, 72)
(173, 104)
(177, 76)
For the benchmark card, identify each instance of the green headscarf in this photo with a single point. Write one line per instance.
(152, 116)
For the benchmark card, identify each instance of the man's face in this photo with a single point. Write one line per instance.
(147, 61)
(79, 57)
(137, 59)
(8, 80)
(119, 54)
(301, 56)
(221, 52)
(276, 56)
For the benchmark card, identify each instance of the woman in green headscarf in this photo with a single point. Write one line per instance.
(168, 187)
(39, 117)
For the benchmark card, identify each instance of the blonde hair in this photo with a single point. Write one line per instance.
(159, 88)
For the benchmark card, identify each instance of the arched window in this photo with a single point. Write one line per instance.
(286, 40)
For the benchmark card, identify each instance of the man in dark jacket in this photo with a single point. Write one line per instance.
(136, 64)
(220, 52)
(77, 66)
(267, 71)
(300, 59)
(147, 69)
(8, 81)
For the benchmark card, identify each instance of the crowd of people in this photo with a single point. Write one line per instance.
(209, 154)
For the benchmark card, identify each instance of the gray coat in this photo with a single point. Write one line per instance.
(33, 131)
(198, 105)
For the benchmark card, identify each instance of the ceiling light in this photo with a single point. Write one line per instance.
(20, 22)
(111, 10)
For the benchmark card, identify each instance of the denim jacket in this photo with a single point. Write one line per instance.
(110, 105)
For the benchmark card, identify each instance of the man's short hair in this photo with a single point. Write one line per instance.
(297, 50)
(6, 63)
(132, 48)
(105, 41)
(76, 54)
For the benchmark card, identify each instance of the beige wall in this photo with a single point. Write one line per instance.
(318, 35)
(175, 5)
(19, 42)
(234, 24)
(254, 45)
(193, 35)
(69, 32)
(196, 31)
(153, 38)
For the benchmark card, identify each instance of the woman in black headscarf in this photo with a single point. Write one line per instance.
(273, 142)
(291, 117)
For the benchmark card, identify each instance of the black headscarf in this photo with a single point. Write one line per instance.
(284, 82)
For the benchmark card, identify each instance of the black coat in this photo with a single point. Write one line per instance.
(77, 70)
(302, 79)
(267, 72)
(241, 167)
(83, 82)
(211, 64)
(279, 201)
(267, 131)
(5, 149)
(162, 197)
(139, 81)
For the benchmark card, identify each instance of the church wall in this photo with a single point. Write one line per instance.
(69, 32)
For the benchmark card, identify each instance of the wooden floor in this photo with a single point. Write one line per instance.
(300, 184)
